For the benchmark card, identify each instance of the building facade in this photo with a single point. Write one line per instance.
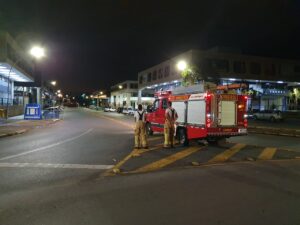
(269, 79)
(125, 94)
(15, 66)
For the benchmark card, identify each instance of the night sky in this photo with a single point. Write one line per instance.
(92, 45)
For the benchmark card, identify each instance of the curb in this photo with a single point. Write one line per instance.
(275, 131)
(13, 133)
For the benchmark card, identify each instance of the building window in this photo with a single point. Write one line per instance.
(124, 86)
(167, 71)
(297, 69)
(133, 86)
(270, 69)
(160, 73)
(141, 80)
(221, 64)
(239, 67)
(255, 68)
(149, 77)
(154, 75)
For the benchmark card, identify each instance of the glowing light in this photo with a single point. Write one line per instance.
(181, 65)
(37, 52)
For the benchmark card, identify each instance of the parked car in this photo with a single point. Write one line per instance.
(131, 111)
(125, 111)
(272, 115)
(112, 110)
(128, 111)
(106, 109)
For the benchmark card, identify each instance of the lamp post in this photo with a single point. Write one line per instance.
(38, 53)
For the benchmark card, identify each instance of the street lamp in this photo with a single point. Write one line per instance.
(181, 65)
(38, 52)
(53, 83)
(120, 86)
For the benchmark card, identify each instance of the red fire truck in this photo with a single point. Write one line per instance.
(210, 115)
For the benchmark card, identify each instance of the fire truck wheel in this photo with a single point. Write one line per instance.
(217, 141)
(182, 137)
(148, 129)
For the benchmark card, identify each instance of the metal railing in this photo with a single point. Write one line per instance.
(10, 102)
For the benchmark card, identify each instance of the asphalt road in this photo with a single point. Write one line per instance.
(55, 175)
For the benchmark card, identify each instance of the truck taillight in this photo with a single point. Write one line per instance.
(208, 120)
(245, 120)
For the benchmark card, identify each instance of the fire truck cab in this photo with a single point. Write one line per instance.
(206, 115)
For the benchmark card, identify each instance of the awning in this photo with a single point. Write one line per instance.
(13, 73)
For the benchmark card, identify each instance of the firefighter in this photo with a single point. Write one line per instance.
(140, 131)
(169, 127)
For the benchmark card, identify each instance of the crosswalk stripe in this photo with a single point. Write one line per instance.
(168, 160)
(227, 153)
(267, 153)
(58, 166)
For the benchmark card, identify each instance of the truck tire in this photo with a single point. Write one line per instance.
(217, 141)
(149, 130)
(182, 137)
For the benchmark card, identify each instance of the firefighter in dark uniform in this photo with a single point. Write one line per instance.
(140, 139)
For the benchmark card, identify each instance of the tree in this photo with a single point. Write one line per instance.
(191, 76)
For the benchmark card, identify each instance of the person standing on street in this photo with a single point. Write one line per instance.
(140, 131)
(169, 127)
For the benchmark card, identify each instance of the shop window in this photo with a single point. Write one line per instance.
(239, 67)
(255, 68)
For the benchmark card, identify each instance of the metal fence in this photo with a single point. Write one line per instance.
(53, 113)
(15, 101)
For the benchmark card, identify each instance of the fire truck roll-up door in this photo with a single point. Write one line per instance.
(196, 112)
(180, 109)
(227, 113)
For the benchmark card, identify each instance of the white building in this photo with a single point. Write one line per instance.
(125, 94)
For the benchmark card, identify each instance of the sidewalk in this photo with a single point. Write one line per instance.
(17, 125)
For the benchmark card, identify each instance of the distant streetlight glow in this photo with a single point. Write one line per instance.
(87, 97)
(181, 65)
(101, 92)
(120, 86)
(58, 91)
(37, 52)
(53, 83)
(92, 96)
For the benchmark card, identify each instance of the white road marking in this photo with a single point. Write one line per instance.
(58, 166)
(47, 146)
